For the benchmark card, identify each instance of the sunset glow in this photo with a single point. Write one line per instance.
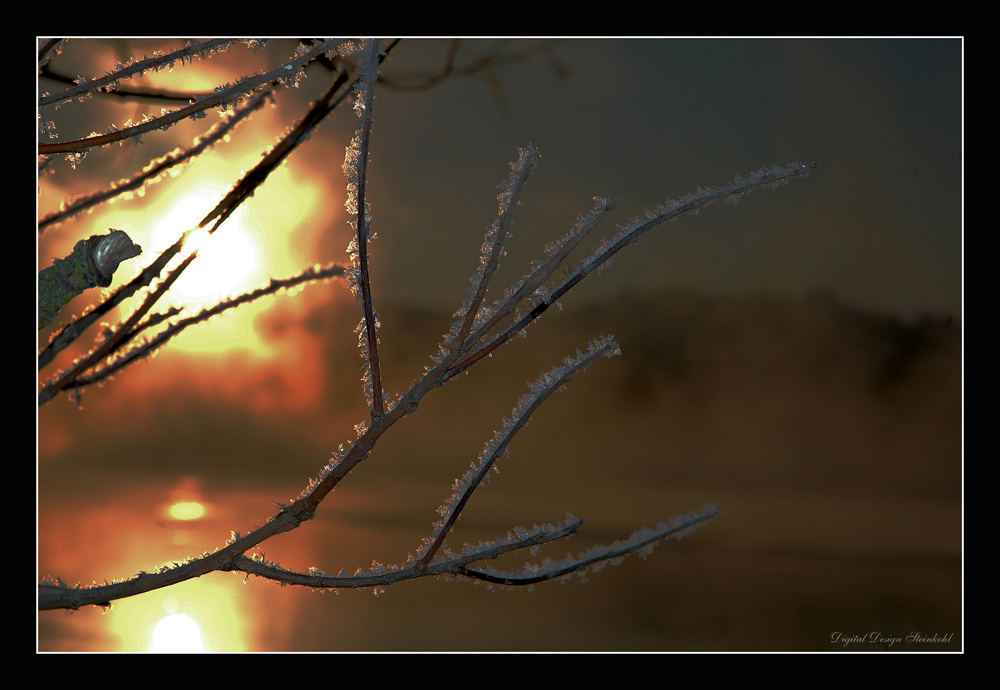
(177, 632)
(200, 615)
(227, 260)
(186, 510)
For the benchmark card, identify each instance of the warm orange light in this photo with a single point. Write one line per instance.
(227, 262)
(177, 632)
(207, 614)
(186, 510)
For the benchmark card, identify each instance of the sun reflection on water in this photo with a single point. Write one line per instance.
(177, 632)
(186, 510)
(207, 614)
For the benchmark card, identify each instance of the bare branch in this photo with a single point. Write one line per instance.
(356, 169)
(425, 81)
(47, 49)
(381, 576)
(256, 177)
(481, 66)
(155, 167)
(125, 358)
(629, 234)
(492, 250)
(138, 93)
(479, 329)
(136, 67)
(224, 95)
(546, 385)
(641, 541)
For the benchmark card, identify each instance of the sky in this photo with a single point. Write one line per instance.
(878, 225)
(797, 354)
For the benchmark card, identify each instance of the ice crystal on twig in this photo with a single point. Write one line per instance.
(642, 541)
(223, 97)
(492, 250)
(134, 67)
(355, 168)
(548, 383)
(155, 169)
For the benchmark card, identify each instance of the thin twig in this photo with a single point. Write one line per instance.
(259, 173)
(550, 382)
(108, 81)
(383, 577)
(356, 168)
(47, 49)
(154, 168)
(430, 80)
(640, 541)
(630, 234)
(474, 67)
(222, 96)
(309, 275)
(138, 93)
(492, 249)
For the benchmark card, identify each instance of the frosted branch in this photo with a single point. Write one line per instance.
(541, 389)
(224, 96)
(155, 168)
(125, 92)
(471, 336)
(48, 48)
(380, 576)
(135, 67)
(492, 249)
(356, 169)
(285, 146)
(641, 541)
(769, 178)
(540, 272)
(311, 274)
(222, 211)
(766, 177)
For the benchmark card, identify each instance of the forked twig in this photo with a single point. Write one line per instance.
(492, 250)
(642, 541)
(54, 594)
(541, 389)
(478, 329)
